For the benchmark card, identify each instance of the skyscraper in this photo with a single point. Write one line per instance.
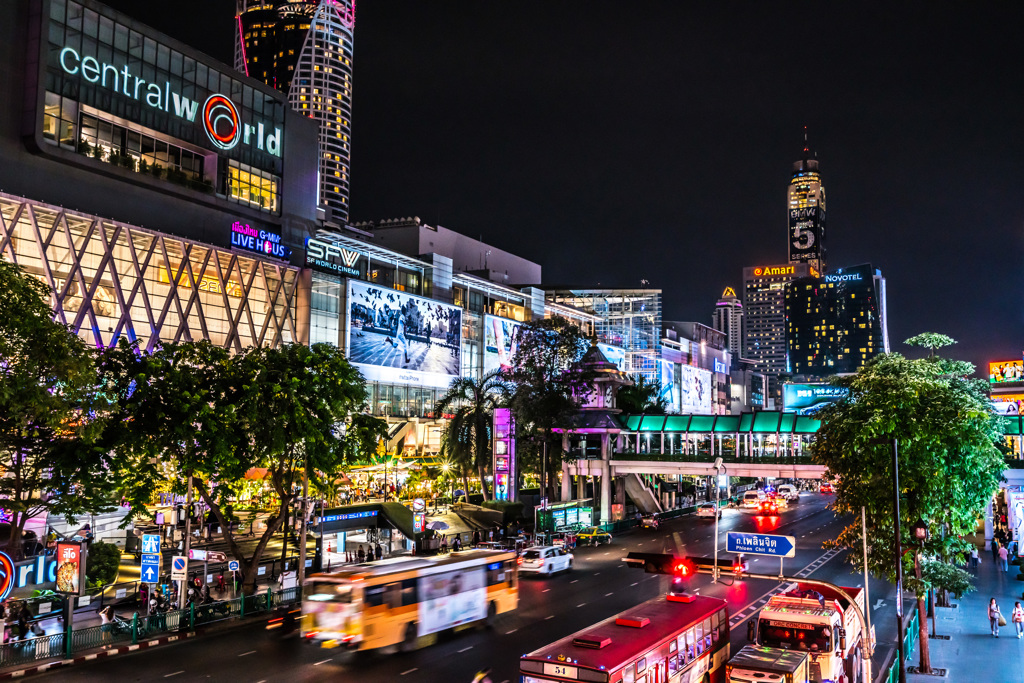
(728, 318)
(806, 208)
(304, 48)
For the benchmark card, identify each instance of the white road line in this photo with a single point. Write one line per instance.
(574, 581)
(508, 633)
(465, 649)
(581, 604)
(633, 584)
(174, 674)
(550, 617)
(607, 594)
(409, 671)
(546, 590)
(323, 661)
(250, 652)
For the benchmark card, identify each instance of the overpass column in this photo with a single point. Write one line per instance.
(988, 524)
(566, 478)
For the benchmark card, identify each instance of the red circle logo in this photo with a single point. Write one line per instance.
(221, 121)
(757, 271)
(6, 576)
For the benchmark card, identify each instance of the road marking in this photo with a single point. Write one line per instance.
(174, 674)
(323, 661)
(409, 671)
(581, 604)
(597, 573)
(633, 584)
(465, 649)
(607, 594)
(250, 652)
(880, 603)
(508, 633)
(545, 590)
(550, 617)
(574, 581)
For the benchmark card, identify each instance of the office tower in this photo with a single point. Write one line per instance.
(835, 323)
(305, 50)
(806, 206)
(728, 318)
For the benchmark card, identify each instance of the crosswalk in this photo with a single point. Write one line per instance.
(751, 609)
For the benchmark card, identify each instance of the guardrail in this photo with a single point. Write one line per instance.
(142, 627)
(911, 631)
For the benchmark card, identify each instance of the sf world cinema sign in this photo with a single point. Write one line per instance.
(331, 257)
(218, 114)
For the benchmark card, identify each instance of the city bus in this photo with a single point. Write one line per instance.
(404, 601)
(658, 641)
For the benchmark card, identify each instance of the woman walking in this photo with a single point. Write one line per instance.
(1018, 619)
(994, 617)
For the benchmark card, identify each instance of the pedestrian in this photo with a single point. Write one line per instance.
(361, 554)
(444, 544)
(995, 618)
(995, 550)
(476, 538)
(1018, 619)
(1004, 557)
(378, 552)
(975, 559)
(106, 621)
(24, 616)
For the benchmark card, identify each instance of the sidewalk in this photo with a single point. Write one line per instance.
(972, 653)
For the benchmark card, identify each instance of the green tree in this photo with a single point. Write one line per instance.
(102, 563)
(643, 396)
(467, 438)
(549, 386)
(949, 465)
(50, 417)
(213, 417)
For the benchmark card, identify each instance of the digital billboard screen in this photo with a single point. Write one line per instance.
(1006, 371)
(807, 399)
(694, 390)
(614, 354)
(669, 395)
(501, 337)
(397, 337)
(1008, 404)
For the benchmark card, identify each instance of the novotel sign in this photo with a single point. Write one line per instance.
(843, 277)
(218, 114)
(331, 257)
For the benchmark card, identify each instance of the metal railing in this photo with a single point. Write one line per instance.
(141, 627)
(910, 636)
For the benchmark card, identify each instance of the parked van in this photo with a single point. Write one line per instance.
(751, 499)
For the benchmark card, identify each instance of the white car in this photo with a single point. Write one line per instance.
(545, 560)
(751, 499)
(708, 510)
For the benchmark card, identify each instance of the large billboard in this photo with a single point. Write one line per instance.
(1006, 371)
(397, 337)
(669, 394)
(614, 354)
(807, 399)
(501, 337)
(694, 390)
(806, 227)
(1008, 404)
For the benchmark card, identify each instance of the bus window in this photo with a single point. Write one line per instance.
(699, 635)
(716, 621)
(495, 573)
(374, 596)
(510, 572)
(707, 633)
(690, 652)
(409, 594)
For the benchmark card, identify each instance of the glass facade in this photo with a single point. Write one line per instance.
(110, 280)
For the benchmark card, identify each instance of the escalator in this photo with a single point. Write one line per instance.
(643, 497)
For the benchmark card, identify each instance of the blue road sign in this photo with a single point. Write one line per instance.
(150, 567)
(233, 566)
(150, 543)
(761, 544)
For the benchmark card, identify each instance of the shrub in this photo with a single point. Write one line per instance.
(102, 563)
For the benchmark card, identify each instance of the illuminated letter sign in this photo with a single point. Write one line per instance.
(331, 257)
(849, 277)
(6, 576)
(259, 241)
(504, 455)
(719, 366)
(774, 270)
(220, 119)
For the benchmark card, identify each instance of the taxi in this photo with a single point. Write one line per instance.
(593, 535)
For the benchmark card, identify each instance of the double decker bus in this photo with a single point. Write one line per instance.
(405, 601)
(658, 641)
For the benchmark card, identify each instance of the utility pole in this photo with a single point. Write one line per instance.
(183, 588)
(899, 560)
(305, 512)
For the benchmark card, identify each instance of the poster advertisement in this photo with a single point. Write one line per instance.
(614, 354)
(807, 399)
(1015, 517)
(500, 340)
(1007, 404)
(451, 598)
(401, 338)
(69, 568)
(1006, 371)
(694, 390)
(669, 395)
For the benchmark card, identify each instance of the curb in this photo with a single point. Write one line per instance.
(88, 657)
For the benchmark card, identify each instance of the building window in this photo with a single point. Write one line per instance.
(251, 186)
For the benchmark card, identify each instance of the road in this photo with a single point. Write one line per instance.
(599, 586)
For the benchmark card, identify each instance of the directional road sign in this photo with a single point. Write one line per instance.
(233, 566)
(195, 554)
(150, 567)
(761, 544)
(150, 543)
(214, 556)
(179, 568)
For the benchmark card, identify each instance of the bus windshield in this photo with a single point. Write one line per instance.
(794, 636)
(328, 591)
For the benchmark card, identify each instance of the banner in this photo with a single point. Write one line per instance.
(1006, 371)
(451, 599)
(694, 390)
(69, 568)
(501, 337)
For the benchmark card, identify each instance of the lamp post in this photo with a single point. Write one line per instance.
(898, 556)
(718, 466)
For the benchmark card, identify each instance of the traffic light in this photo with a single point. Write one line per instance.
(682, 571)
(683, 568)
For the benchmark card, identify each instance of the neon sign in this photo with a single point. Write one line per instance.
(719, 366)
(849, 277)
(6, 576)
(774, 270)
(220, 118)
(331, 257)
(259, 241)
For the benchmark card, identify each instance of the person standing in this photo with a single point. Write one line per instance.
(1004, 558)
(106, 621)
(994, 616)
(995, 550)
(975, 559)
(1018, 619)
(378, 552)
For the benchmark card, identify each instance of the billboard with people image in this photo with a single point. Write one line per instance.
(397, 337)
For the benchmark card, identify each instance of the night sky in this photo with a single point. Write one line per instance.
(617, 142)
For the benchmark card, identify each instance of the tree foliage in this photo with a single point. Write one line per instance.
(50, 415)
(643, 396)
(467, 438)
(947, 577)
(206, 414)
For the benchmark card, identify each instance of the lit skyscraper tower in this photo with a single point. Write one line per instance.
(728, 318)
(807, 212)
(304, 48)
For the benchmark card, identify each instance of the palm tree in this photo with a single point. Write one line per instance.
(643, 397)
(466, 440)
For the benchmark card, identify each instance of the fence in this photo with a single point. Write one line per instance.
(143, 627)
(911, 631)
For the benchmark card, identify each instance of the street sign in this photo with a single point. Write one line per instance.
(179, 568)
(419, 505)
(150, 543)
(194, 554)
(761, 544)
(214, 556)
(418, 522)
(233, 566)
(150, 567)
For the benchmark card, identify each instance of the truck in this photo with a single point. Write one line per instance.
(819, 621)
(755, 664)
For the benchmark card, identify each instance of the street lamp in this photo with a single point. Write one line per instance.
(719, 467)
(897, 549)
(920, 530)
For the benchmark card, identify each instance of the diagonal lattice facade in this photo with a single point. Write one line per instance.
(110, 280)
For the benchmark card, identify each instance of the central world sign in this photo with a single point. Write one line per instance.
(218, 115)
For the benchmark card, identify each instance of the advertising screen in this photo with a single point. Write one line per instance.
(614, 354)
(500, 340)
(805, 233)
(397, 337)
(451, 599)
(807, 399)
(694, 390)
(669, 395)
(1008, 404)
(69, 567)
(1006, 371)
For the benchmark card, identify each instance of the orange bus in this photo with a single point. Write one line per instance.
(404, 602)
(658, 641)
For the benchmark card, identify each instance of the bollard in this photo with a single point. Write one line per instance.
(135, 629)
(192, 616)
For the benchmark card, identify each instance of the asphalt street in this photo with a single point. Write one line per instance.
(599, 586)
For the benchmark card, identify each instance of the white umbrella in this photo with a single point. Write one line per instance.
(437, 525)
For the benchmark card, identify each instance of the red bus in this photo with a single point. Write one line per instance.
(658, 641)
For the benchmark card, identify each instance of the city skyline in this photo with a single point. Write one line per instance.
(488, 134)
